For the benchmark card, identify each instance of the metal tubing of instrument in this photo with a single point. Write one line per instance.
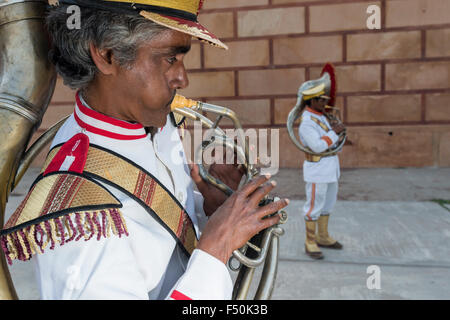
(35, 149)
(231, 115)
(267, 241)
(13, 142)
(196, 116)
(219, 141)
(265, 287)
(246, 276)
(292, 117)
(27, 81)
(253, 263)
(193, 114)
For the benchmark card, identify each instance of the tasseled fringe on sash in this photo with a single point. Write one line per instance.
(22, 244)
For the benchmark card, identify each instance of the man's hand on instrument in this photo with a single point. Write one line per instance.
(338, 128)
(230, 174)
(239, 218)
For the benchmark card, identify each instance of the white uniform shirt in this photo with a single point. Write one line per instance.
(318, 140)
(147, 264)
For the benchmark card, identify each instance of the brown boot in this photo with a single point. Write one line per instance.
(323, 238)
(311, 247)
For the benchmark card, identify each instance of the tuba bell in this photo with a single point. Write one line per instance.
(27, 82)
(326, 82)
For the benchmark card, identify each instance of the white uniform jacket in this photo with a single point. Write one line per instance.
(318, 140)
(147, 264)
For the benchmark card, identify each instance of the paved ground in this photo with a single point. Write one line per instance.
(384, 217)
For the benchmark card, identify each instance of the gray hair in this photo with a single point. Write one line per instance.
(122, 33)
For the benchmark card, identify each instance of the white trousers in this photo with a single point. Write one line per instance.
(320, 199)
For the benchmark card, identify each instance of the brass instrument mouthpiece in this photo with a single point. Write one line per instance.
(182, 102)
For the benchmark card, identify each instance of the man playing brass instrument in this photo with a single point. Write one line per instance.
(321, 174)
(115, 207)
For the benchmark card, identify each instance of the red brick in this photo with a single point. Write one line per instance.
(240, 54)
(219, 23)
(333, 17)
(270, 82)
(282, 109)
(209, 84)
(354, 78)
(269, 138)
(249, 112)
(307, 50)
(275, 2)
(215, 4)
(386, 45)
(192, 59)
(39, 160)
(347, 158)
(62, 93)
(284, 106)
(438, 44)
(392, 146)
(290, 155)
(54, 114)
(385, 108)
(437, 107)
(418, 75)
(271, 22)
(383, 146)
(400, 13)
(444, 150)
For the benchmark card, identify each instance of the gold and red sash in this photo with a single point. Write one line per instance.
(311, 157)
(320, 123)
(63, 206)
(127, 176)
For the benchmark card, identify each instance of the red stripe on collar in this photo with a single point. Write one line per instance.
(314, 111)
(106, 133)
(103, 125)
(98, 116)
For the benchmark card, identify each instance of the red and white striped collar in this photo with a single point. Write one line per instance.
(103, 125)
(314, 111)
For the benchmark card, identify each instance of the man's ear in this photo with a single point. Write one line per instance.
(103, 59)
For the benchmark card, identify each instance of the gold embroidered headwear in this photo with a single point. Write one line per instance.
(315, 92)
(180, 15)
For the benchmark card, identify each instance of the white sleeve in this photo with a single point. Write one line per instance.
(206, 278)
(202, 219)
(108, 270)
(314, 140)
(91, 270)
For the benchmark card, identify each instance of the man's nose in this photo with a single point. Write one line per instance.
(180, 78)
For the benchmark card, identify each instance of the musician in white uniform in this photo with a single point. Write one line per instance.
(321, 174)
(114, 214)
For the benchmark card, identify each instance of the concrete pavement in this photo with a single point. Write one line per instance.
(384, 218)
(407, 241)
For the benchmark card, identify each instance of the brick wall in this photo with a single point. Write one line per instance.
(393, 83)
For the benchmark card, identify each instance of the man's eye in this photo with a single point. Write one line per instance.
(171, 60)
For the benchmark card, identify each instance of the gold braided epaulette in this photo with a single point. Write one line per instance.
(61, 207)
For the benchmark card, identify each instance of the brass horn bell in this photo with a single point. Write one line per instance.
(325, 86)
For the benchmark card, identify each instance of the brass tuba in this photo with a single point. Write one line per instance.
(27, 82)
(328, 80)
